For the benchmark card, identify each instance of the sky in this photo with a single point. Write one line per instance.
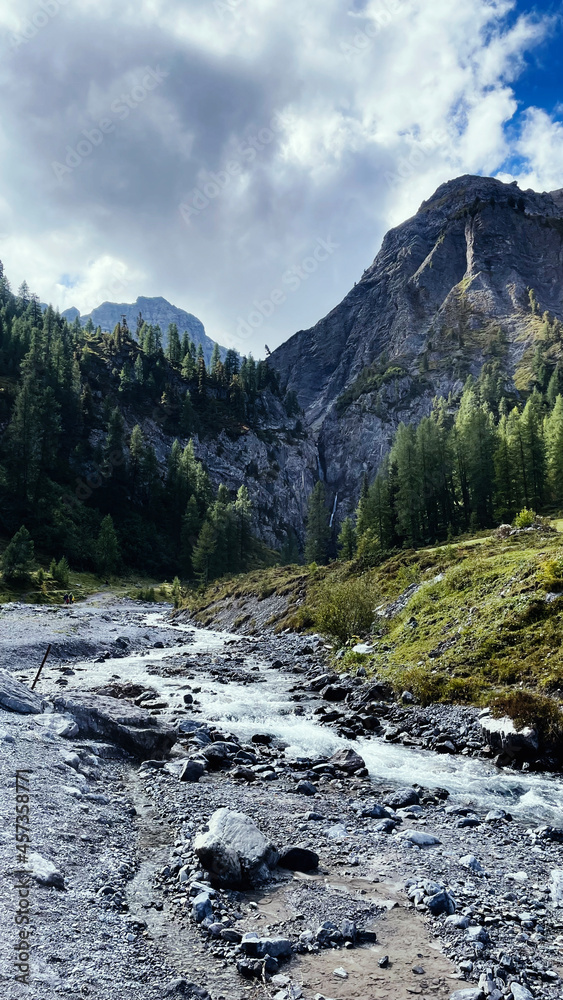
(244, 158)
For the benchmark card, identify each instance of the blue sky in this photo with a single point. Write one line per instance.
(201, 151)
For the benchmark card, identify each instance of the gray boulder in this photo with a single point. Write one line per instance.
(418, 838)
(58, 725)
(502, 735)
(440, 903)
(520, 992)
(556, 887)
(475, 993)
(192, 771)
(234, 850)
(402, 798)
(257, 947)
(132, 728)
(16, 697)
(44, 872)
(202, 907)
(347, 760)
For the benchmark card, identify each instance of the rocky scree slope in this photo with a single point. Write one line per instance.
(448, 291)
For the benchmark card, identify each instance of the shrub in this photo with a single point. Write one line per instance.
(147, 594)
(345, 609)
(551, 575)
(526, 708)
(525, 519)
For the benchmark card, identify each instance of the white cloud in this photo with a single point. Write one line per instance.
(386, 103)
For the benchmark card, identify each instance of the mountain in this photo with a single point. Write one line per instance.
(448, 292)
(154, 311)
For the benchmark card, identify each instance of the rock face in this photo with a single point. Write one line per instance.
(422, 318)
(109, 718)
(234, 850)
(16, 697)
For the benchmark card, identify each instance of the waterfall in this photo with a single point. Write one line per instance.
(334, 506)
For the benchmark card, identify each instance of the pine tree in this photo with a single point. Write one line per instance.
(174, 348)
(215, 361)
(405, 457)
(191, 526)
(19, 556)
(554, 450)
(108, 554)
(204, 552)
(318, 531)
(243, 520)
(347, 540)
(534, 449)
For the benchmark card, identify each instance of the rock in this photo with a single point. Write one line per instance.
(520, 992)
(113, 719)
(182, 988)
(340, 973)
(59, 725)
(386, 826)
(418, 837)
(470, 861)
(233, 849)
(349, 930)
(243, 774)
(476, 935)
(201, 907)
(474, 993)
(192, 771)
(16, 697)
(440, 903)
(408, 698)
(496, 816)
(306, 788)
(44, 872)
(502, 736)
(402, 798)
(348, 760)
(258, 947)
(363, 648)
(261, 739)
(375, 812)
(250, 968)
(334, 692)
(299, 859)
(556, 887)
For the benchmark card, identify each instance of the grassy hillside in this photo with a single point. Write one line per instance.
(477, 622)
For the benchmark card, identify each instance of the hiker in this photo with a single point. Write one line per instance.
(65, 598)
(71, 598)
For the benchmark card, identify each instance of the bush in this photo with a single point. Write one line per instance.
(147, 594)
(525, 519)
(552, 574)
(345, 610)
(526, 708)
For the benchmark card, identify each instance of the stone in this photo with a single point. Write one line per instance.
(402, 798)
(243, 774)
(418, 838)
(192, 771)
(475, 993)
(383, 962)
(502, 736)
(441, 902)
(306, 788)
(44, 872)
(299, 859)
(520, 992)
(476, 935)
(334, 692)
(347, 760)
(386, 826)
(470, 861)
(556, 887)
(130, 727)
(258, 947)
(261, 739)
(202, 907)
(375, 812)
(16, 697)
(182, 988)
(59, 725)
(340, 973)
(234, 850)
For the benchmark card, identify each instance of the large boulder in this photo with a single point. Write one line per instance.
(348, 760)
(502, 736)
(116, 720)
(16, 697)
(233, 849)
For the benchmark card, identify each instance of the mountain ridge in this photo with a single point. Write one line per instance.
(155, 310)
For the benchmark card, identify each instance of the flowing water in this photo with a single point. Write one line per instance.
(266, 706)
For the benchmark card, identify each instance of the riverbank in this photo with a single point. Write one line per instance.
(122, 837)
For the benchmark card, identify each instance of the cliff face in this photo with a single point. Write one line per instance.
(448, 291)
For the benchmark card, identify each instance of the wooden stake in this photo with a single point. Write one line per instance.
(41, 667)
